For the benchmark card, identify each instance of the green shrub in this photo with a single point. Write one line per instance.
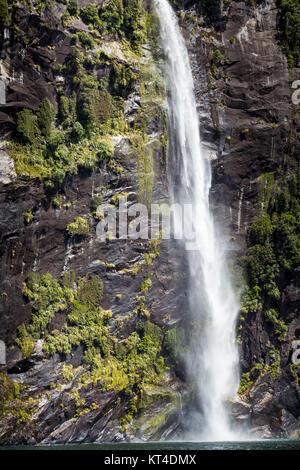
(94, 107)
(42, 292)
(28, 216)
(122, 80)
(57, 202)
(67, 110)
(32, 280)
(287, 241)
(9, 390)
(105, 106)
(58, 342)
(89, 14)
(86, 40)
(105, 149)
(54, 141)
(72, 7)
(118, 17)
(25, 341)
(173, 341)
(251, 300)
(27, 125)
(145, 286)
(245, 383)
(64, 108)
(90, 291)
(279, 327)
(3, 12)
(68, 279)
(261, 230)
(289, 24)
(262, 265)
(132, 23)
(248, 378)
(79, 227)
(112, 14)
(150, 330)
(78, 132)
(46, 114)
(67, 372)
(74, 62)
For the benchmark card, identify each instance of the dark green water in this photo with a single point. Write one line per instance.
(272, 444)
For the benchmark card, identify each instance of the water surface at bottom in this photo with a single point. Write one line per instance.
(267, 444)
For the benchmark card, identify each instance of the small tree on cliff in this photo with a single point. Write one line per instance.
(3, 12)
(211, 8)
(46, 114)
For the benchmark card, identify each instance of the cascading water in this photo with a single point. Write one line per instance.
(214, 361)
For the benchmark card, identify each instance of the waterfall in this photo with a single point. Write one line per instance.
(214, 357)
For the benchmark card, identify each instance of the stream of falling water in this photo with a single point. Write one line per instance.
(214, 359)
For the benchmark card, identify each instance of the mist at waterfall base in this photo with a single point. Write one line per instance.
(213, 359)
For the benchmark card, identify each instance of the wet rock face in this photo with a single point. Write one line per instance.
(28, 67)
(41, 244)
(258, 101)
(44, 248)
(245, 107)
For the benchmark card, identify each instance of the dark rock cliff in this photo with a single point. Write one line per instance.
(249, 125)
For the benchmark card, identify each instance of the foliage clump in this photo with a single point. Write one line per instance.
(28, 216)
(119, 364)
(122, 80)
(45, 295)
(279, 327)
(45, 116)
(27, 125)
(289, 24)
(90, 291)
(3, 13)
(173, 341)
(79, 227)
(273, 244)
(119, 18)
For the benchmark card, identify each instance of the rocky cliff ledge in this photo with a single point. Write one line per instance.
(96, 333)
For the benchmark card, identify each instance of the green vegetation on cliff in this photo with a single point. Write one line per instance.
(289, 24)
(260, 370)
(3, 13)
(79, 227)
(75, 129)
(118, 17)
(13, 401)
(273, 244)
(118, 364)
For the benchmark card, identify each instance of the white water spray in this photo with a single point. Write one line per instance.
(214, 361)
